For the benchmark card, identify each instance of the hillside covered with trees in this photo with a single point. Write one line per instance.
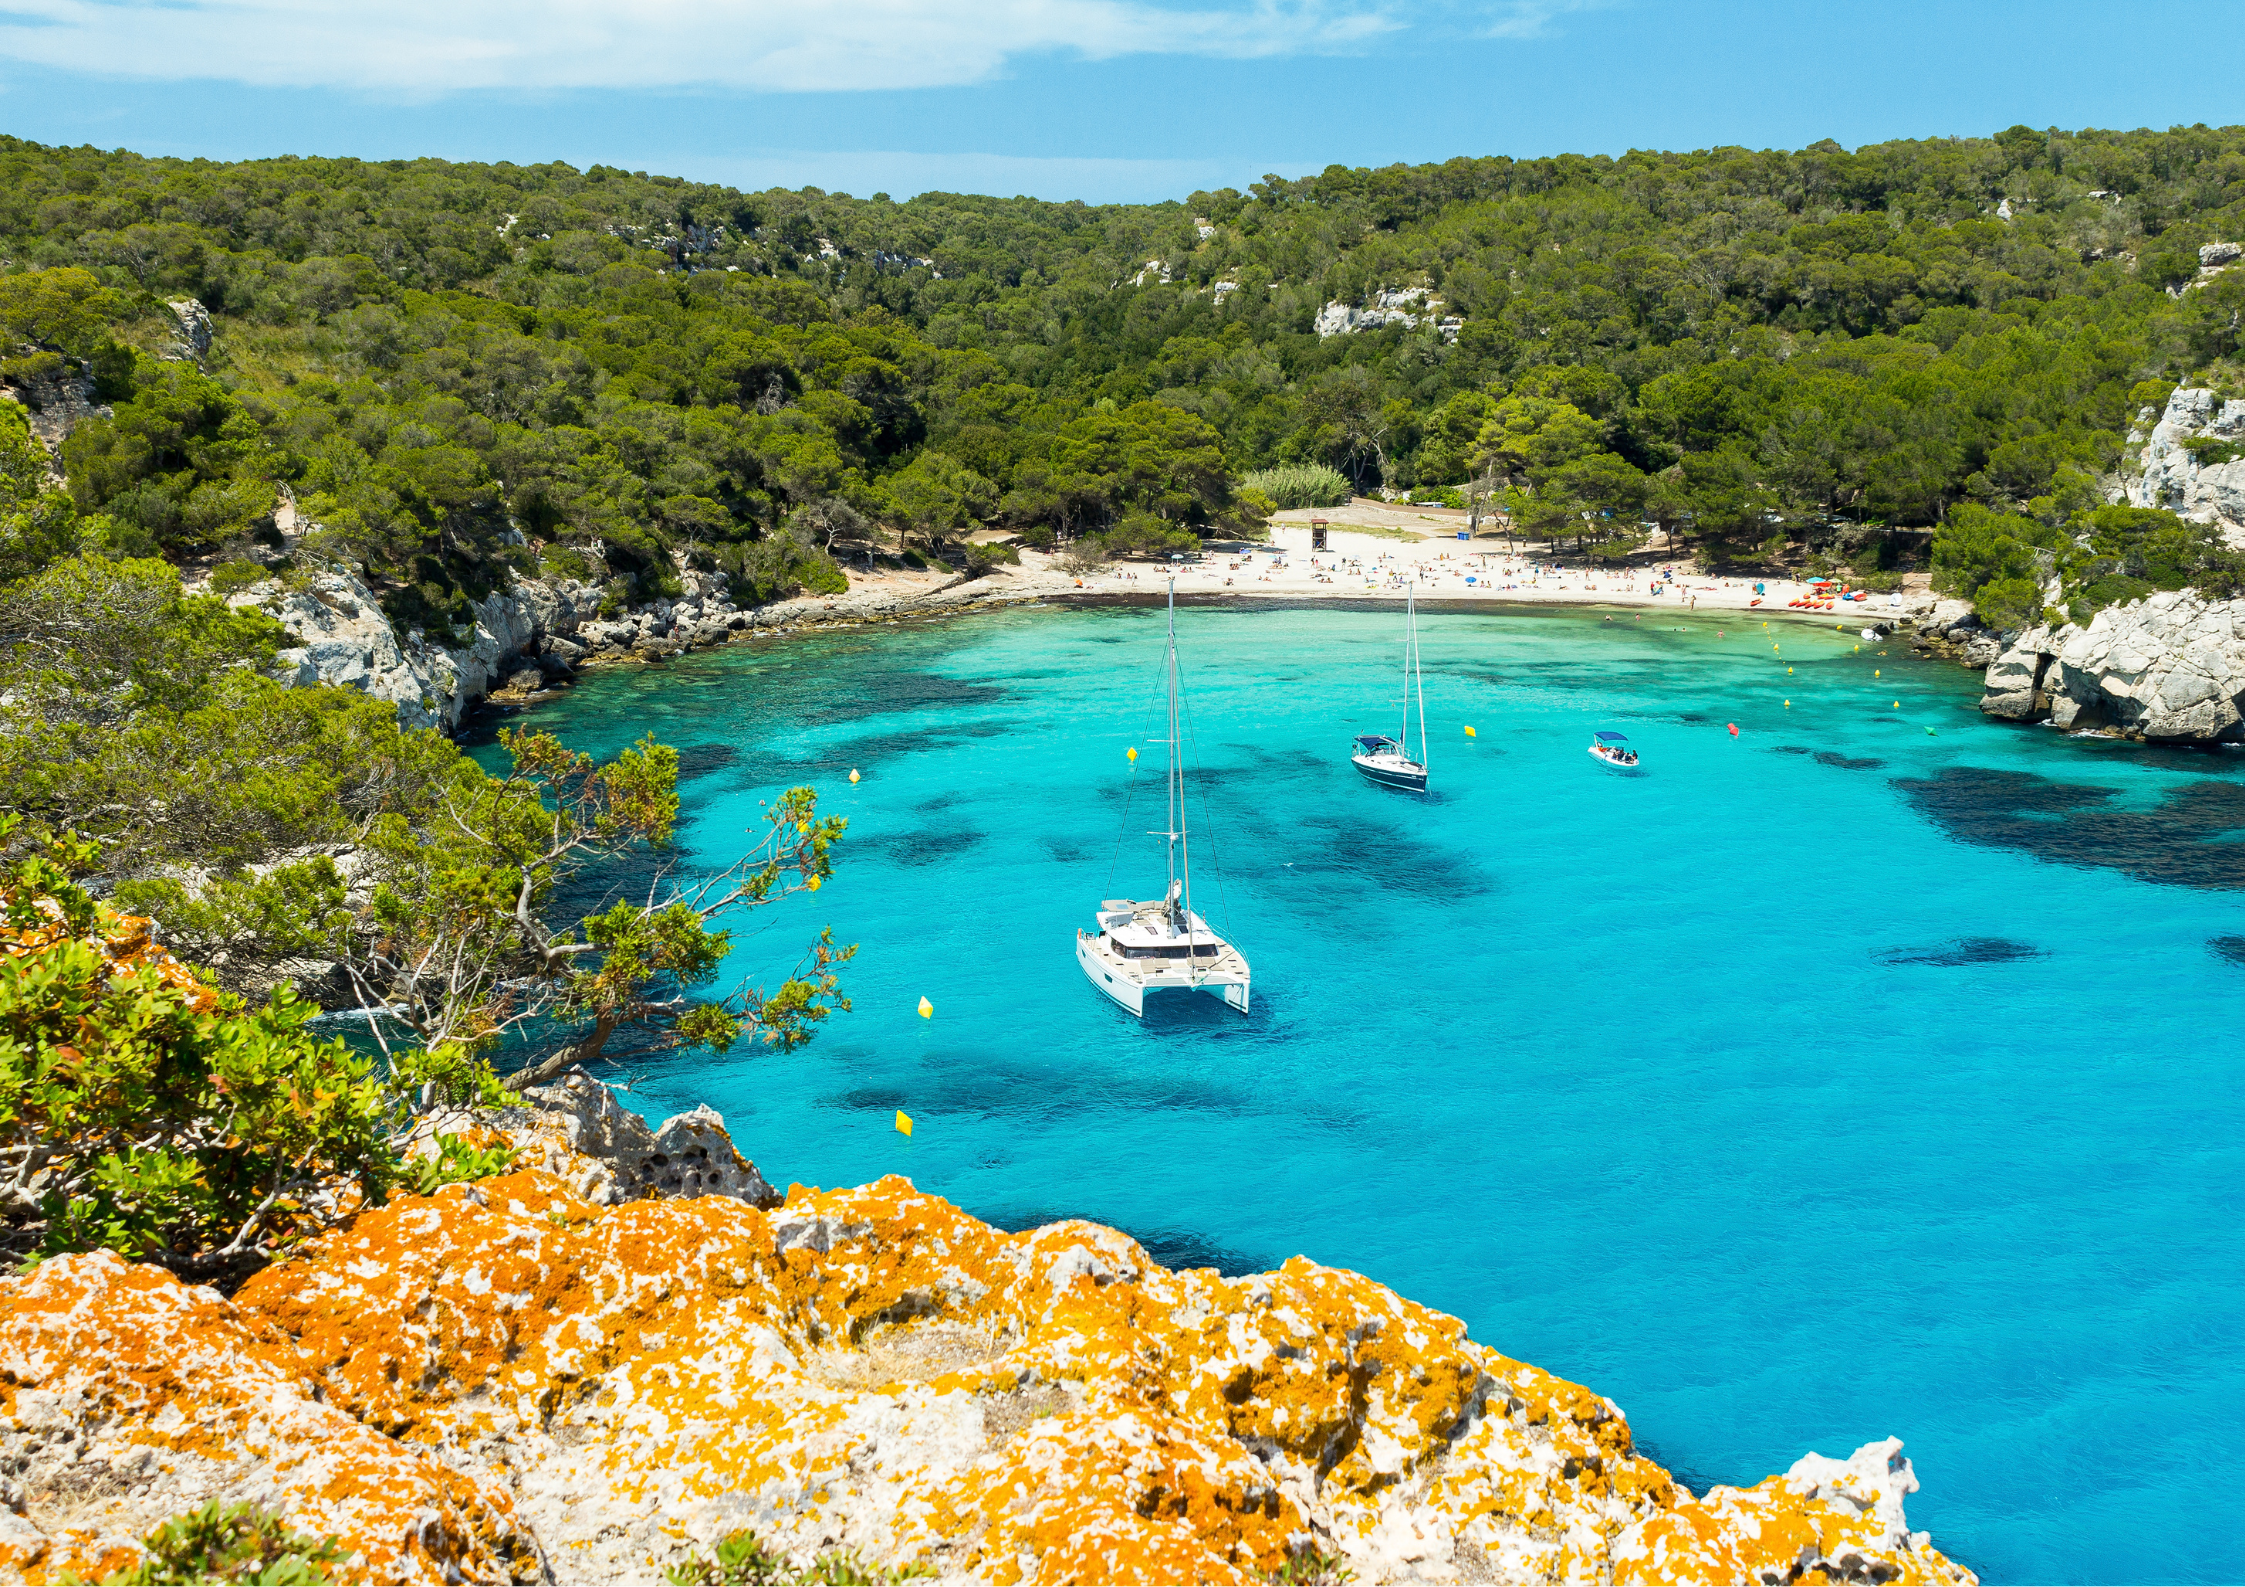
(453, 368)
(1912, 351)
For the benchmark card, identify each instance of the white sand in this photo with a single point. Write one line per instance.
(1357, 566)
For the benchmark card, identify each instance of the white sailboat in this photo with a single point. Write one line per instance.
(1143, 948)
(1387, 761)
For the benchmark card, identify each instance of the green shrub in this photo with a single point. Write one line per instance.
(566, 562)
(739, 1560)
(457, 1163)
(1142, 535)
(1301, 485)
(151, 1115)
(2008, 603)
(30, 367)
(2210, 451)
(980, 559)
(742, 1560)
(230, 578)
(1307, 1565)
(230, 1543)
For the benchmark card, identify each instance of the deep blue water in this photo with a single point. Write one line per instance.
(1835, 1080)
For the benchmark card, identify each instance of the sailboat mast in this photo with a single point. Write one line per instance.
(1418, 683)
(1410, 643)
(1179, 842)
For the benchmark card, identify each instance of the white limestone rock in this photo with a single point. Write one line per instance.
(1875, 1480)
(2169, 668)
(194, 328)
(2173, 479)
(349, 641)
(690, 1154)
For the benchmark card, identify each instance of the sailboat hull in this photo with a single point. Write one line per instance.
(1135, 987)
(1412, 779)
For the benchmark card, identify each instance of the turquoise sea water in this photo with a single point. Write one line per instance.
(1834, 1080)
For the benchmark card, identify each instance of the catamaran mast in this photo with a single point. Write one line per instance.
(1180, 845)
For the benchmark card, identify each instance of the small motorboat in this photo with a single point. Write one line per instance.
(1613, 749)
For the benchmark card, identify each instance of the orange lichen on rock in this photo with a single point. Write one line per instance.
(126, 1396)
(875, 1369)
(126, 943)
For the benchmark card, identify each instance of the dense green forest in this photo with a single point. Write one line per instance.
(1914, 352)
(454, 368)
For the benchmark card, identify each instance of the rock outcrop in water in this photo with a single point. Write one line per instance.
(2169, 668)
(531, 1378)
(523, 636)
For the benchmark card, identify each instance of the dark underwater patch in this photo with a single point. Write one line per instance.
(869, 1099)
(700, 760)
(2230, 948)
(1965, 950)
(988, 1084)
(926, 846)
(1176, 1249)
(1825, 757)
(766, 769)
(2179, 842)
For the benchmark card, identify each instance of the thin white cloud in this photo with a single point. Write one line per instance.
(438, 46)
(1532, 19)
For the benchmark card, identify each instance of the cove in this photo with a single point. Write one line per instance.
(1839, 1079)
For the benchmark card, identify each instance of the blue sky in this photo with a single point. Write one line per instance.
(1092, 99)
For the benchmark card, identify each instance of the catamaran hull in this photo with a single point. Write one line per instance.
(1391, 776)
(1133, 994)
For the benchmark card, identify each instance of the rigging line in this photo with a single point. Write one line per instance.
(1122, 832)
(1208, 824)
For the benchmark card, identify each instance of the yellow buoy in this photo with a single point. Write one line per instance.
(1788, 672)
(853, 774)
(903, 1122)
(1470, 733)
(1898, 705)
(814, 884)
(1874, 672)
(927, 1009)
(1788, 705)
(1131, 753)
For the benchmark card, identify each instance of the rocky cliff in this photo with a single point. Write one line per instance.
(2205, 487)
(2169, 668)
(586, 1371)
(523, 637)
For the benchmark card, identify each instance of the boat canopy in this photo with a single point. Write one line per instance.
(1610, 738)
(1373, 743)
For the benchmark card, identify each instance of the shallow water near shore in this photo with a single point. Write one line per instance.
(1874, 1071)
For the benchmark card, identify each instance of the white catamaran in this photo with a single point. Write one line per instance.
(1142, 948)
(1385, 760)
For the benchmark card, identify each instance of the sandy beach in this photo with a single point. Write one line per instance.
(1374, 552)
